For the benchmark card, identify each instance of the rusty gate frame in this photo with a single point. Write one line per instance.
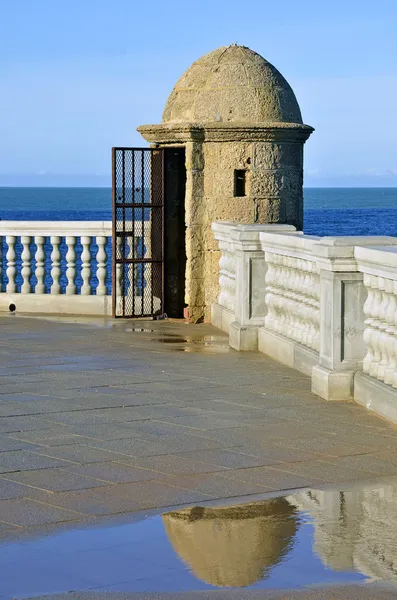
(119, 258)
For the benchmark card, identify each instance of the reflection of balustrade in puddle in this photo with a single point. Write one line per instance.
(354, 530)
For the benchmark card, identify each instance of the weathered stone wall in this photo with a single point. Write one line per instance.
(196, 218)
(273, 195)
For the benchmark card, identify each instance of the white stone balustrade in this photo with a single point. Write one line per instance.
(376, 386)
(240, 306)
(293, 299)
(42, 277)
(300, 299)
(291, 329)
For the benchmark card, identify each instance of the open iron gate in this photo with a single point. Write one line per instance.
(138, 232)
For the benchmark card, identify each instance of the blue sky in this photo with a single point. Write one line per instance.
(78, 76)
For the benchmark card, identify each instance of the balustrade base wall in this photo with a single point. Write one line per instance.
(221, 317)
(287, 351)
(62, 304)
(376, 396)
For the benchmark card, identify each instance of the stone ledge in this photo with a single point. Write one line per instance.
(376, 396)
(287, 351)
(221, 317)
(168, 133)
(57, 304)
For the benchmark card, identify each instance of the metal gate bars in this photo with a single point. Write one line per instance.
(138, 232)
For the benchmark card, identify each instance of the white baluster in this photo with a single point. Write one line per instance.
(390, 332)
(40, 258)
(55, 264)
(392, 378)
(367, 335)
(375, 334)
(71, 265)
(270, 318)
(383, 325)
(86, 265)
(101, 272)
(11, 261)
(26, 262)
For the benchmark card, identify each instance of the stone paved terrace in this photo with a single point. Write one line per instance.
(101, 418)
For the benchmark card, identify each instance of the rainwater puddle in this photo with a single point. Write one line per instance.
(307, 538)
(170, 340)
(198, 344)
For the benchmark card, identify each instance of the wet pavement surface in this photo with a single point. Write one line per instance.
(103, 420)
(301, 541)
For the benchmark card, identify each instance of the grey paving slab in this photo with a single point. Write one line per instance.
(232, 459)
(173, 464)
(24, 512)
(80, 416)
(126, 497)
(273, 478)
(114, 472)
(8, 444)
(11, 424)
(42, 408)
(45, 437)
(365, 462)
(216, 485)
(10, 489)
(333, 447)
(324, 472)
(54, 480)
(77, 453)
(163, 445)
(205, 422)
(23, 460)
(279, 454)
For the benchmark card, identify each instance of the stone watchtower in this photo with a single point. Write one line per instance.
(241, 127)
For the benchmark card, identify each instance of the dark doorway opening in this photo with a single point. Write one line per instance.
(174, 231)
(149, 256)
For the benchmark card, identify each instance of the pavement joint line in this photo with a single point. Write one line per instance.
(146, 455)
(74, 512)
(47, 456)
(12, 524)
(43, 489)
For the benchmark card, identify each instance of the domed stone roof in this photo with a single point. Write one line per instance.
(232, 84)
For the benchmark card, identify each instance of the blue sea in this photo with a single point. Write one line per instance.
(328, 211)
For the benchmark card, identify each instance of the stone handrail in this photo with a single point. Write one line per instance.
(52, 266)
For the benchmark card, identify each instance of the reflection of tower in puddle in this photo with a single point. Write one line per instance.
(233, 546)
(354, 529)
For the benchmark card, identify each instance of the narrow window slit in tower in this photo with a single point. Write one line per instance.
(239, 182)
